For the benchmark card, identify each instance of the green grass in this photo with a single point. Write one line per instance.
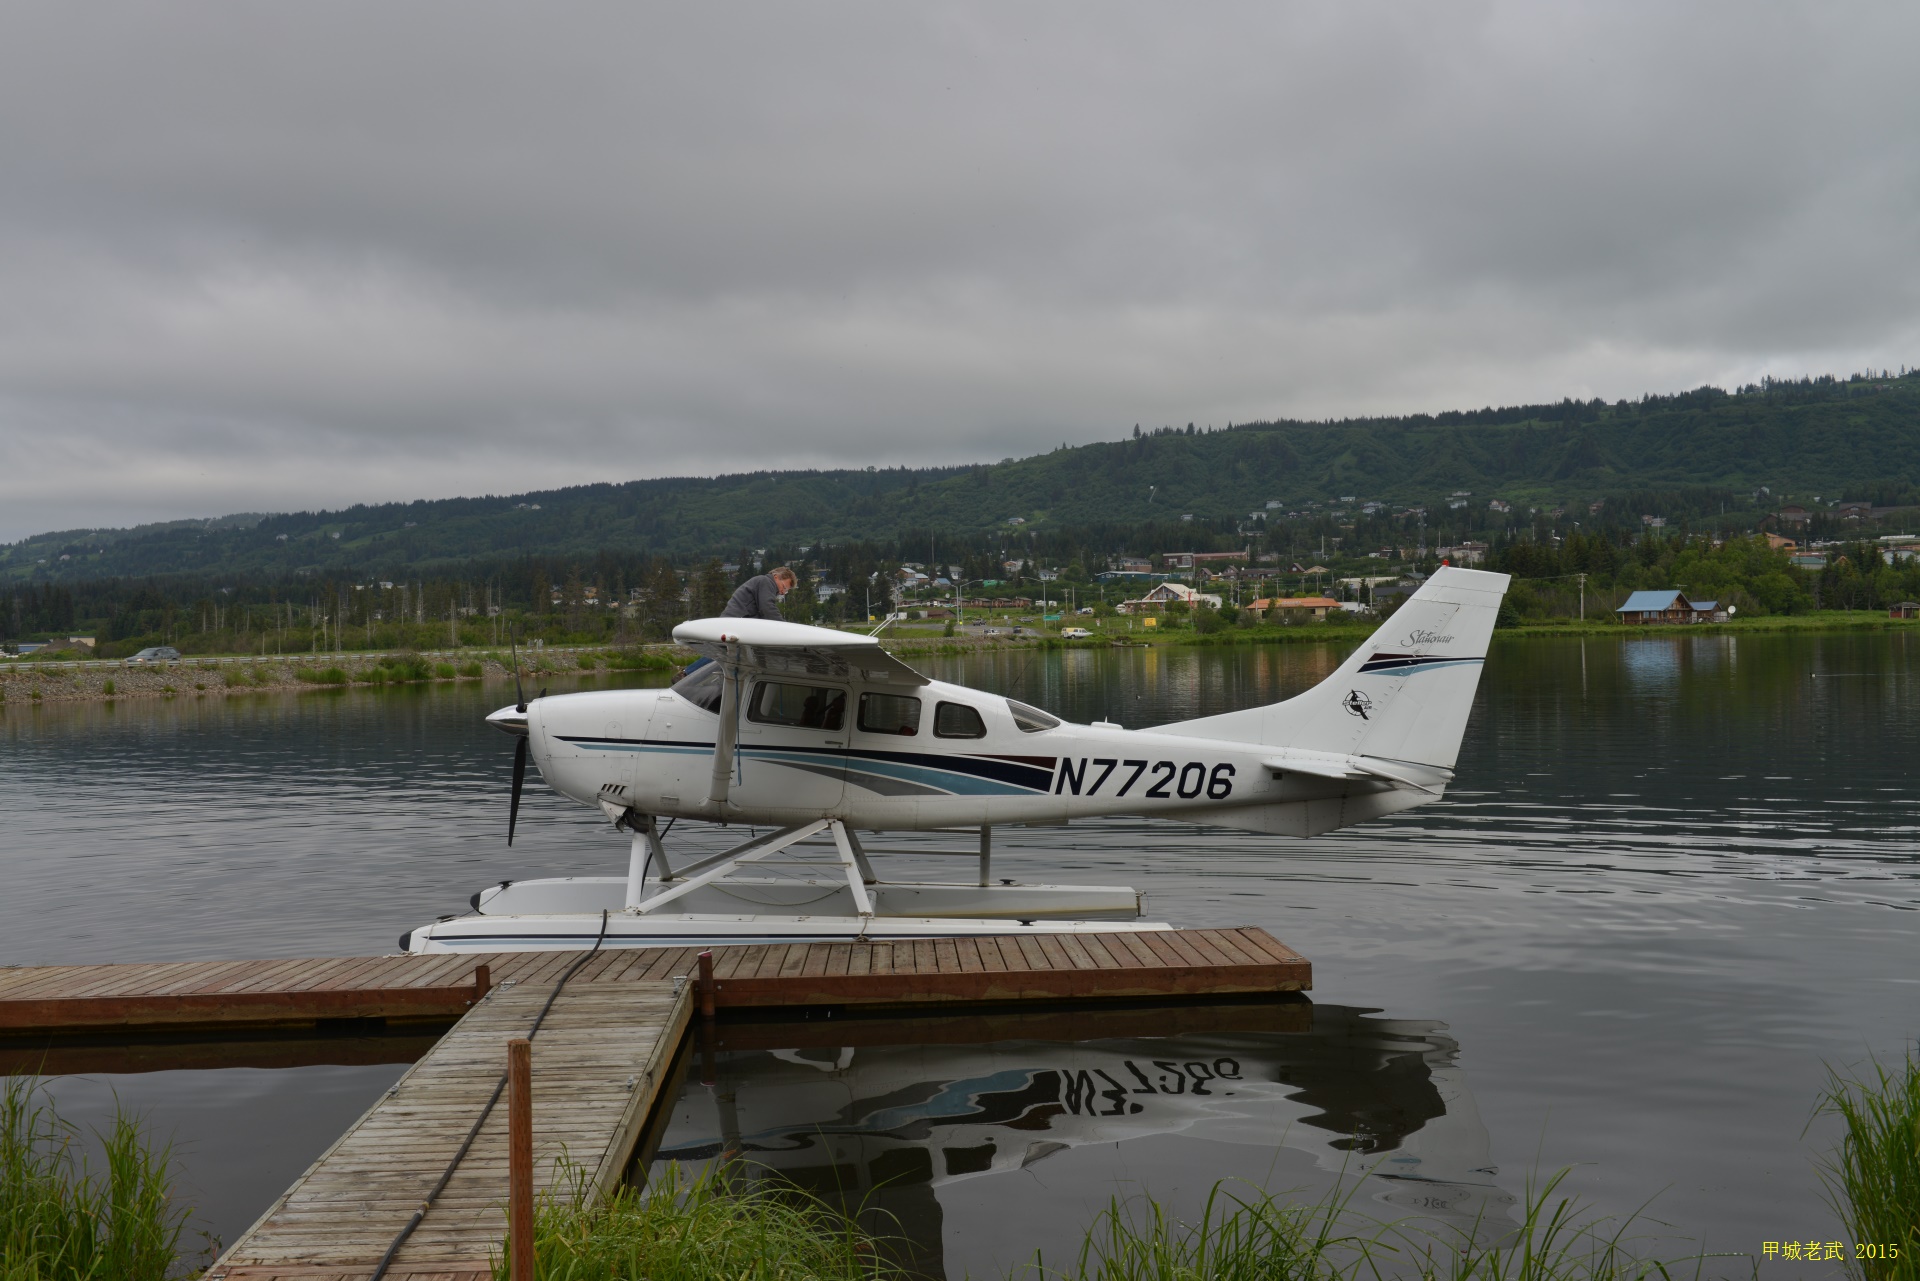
(1252, 1237)
(1259, 1236)
(1873, 1180)
(63, 1221)
(683, 1229)
(639, 660)
(699, 1229)
(321, 676)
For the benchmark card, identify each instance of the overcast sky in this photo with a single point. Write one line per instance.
(268, 257)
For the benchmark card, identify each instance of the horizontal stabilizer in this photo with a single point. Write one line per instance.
(1427, 778)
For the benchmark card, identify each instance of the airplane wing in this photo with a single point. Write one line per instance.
(795, 649)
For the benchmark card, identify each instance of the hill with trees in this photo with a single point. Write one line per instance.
(1691, 456)
(1619, 492)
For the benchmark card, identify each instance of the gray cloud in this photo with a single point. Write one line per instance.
(278, 257)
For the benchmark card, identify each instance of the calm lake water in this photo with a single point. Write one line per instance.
(1675, 881)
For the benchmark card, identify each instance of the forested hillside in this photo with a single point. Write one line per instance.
(1699, 456)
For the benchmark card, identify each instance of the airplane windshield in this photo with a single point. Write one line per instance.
(701, 685)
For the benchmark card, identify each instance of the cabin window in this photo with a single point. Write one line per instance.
(889, 714)
(801, 706)
(957, 720)
(1030, 720)
(701, 685)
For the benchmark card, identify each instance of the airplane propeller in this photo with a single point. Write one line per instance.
(520, 747)
(519, 781)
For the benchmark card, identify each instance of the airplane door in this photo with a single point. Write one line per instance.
(792, 745)
(888, 726)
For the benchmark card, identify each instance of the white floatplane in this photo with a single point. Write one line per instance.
(809, 736)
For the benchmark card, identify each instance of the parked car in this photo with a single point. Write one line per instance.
(996, 631)
(1086, 609)
(155, 654)
(1075, 633)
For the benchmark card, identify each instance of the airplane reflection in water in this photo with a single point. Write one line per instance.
(852, 1109)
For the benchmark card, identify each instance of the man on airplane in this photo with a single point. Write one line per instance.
(759, 596)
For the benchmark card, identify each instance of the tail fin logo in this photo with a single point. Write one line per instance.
(1417, 637)
(1358, 704)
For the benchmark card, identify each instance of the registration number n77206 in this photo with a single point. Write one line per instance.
(1154, 780)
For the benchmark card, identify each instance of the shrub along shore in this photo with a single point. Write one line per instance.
(203, 677)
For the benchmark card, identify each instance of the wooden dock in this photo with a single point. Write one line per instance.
(599, 1065)
(601, 1061)
(304, 993)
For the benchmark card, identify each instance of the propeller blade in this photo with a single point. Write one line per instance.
(519, 780)
(519, 695)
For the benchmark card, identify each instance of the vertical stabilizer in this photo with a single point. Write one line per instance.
(1404, 695)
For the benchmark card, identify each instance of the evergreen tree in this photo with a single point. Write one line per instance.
(711, 590)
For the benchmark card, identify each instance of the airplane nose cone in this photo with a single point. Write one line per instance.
(510, 720)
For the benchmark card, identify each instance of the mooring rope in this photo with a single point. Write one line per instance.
(499, 1088)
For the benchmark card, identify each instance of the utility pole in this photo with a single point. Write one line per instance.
(1583, 596)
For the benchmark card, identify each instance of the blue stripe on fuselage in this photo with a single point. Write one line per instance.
(958, 774)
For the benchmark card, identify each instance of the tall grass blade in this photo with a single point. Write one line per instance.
(1873, 1180)
(60, 1220)
(698, 1229)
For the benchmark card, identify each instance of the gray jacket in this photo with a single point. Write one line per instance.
(758, 597)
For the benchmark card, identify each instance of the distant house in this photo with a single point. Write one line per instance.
(1190, 560)
(1905, 609)
(1669, 606)
(1293, 607)
(1776, 543)
(1165, 594)
(1793, 515)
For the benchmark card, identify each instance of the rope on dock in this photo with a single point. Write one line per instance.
(499, 1088)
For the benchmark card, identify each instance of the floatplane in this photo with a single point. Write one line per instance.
(808, 737)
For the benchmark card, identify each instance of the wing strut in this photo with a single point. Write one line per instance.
(729, 736)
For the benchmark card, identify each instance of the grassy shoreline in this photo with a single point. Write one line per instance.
(202, 677)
